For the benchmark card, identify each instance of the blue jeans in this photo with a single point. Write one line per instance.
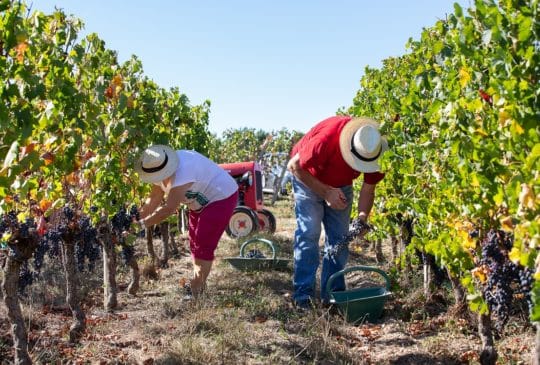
(312, 211)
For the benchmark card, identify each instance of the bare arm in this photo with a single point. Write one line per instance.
(152, 202)
(334, 197)
(365, 201)
(175, 197)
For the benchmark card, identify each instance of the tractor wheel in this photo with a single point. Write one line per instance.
(267, 221)
(243, 222)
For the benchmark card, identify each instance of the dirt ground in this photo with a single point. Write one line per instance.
(247, 318)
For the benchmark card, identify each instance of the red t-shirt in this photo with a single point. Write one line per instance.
(320, 155)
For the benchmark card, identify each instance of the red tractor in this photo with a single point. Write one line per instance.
(250, 215)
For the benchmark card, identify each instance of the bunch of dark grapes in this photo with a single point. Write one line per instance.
(65, 227)
(356, 228)
(26, 277)
(9, 223)
(525, 285)
(134, 212)
(69, 214)
(64, 223)
(491, 251)
(504, 278)
(4, 224)
(475, 233)
(254, 254)
(121, 221)
(87, 245)
(79, 229)
(24, 228)
(407, 230)
(51, 242)
(23, 234)
(127, 253)
(40, 252)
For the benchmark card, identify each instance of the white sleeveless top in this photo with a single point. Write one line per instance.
(210, 182)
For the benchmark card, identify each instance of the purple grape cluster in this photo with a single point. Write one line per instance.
(87, 247)
(121, 222)
(66, 225)
(525, 277)
(20, 231)
(21, 235)
(127, 253)
(134, 212)
(26, 277)
(73, 226)
(504, 278)
(254, 254)
(51, 242)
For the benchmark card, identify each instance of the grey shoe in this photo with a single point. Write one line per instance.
(303, 306)
(188, 294)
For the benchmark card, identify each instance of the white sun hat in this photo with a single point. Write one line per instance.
(156, 163)
(361, 144)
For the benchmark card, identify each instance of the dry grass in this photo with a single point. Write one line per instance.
(248, 318)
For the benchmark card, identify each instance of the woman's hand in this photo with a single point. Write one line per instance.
(152, 202)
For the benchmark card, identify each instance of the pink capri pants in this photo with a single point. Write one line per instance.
(207, 226)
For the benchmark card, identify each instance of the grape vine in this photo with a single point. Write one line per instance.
(503, 282)
(464, 136)
(75, 121)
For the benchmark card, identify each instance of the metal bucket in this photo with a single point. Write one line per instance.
(248, 263)
(360, 304)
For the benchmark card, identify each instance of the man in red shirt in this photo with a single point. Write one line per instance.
(324, 164)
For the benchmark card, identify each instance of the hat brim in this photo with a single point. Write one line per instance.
(165, 172)
(345, 138)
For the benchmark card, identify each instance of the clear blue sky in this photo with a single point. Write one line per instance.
(263, 64)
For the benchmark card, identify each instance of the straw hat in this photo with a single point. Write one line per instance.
(156, 163)
(361, 144)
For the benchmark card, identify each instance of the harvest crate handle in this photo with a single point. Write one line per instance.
(356, 268)
(263, 240)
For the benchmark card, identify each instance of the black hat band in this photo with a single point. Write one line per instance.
(150, 170)
(359, 156)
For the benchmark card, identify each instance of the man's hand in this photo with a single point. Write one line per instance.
(336, 199)
(359, 228)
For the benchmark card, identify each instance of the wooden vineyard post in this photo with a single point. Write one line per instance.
(110, 301)
(72, 285)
